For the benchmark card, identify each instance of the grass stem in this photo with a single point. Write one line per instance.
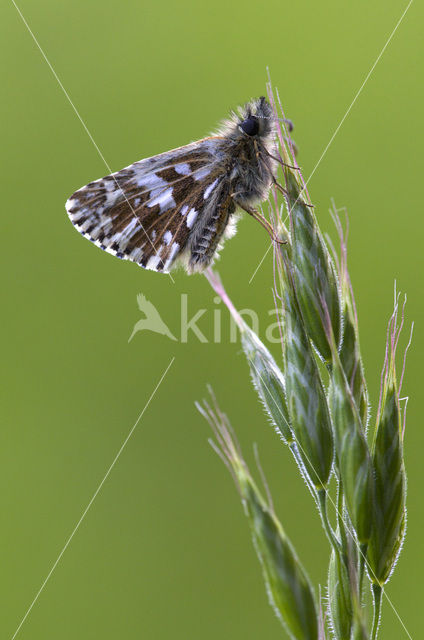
(322, 505)
(377, 592)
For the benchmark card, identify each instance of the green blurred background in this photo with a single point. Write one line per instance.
(164, 551)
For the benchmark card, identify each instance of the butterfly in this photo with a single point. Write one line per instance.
(176, 208)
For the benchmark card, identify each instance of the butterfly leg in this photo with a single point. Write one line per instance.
(287, 195)
(280, 161)
(262, 221)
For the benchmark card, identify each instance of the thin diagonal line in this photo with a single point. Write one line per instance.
(331, 500)
(59, 557)
(360, 90)
(83, 123)
(358, 93)
(260, 264)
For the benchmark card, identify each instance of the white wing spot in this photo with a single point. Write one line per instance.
(172, 253)
(130, 227)
(201, 173)
(151, 181)
(164, 200)
(191, 218)
(85, 225)
(153, 261)
(183, 168)
(126, 234)
(167, 237)
(184, 210)
(69, 205)
(136, 254)
(209, 189)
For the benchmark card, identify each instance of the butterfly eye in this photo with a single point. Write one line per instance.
(250, 126)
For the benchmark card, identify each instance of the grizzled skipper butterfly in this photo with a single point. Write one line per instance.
(177, 207)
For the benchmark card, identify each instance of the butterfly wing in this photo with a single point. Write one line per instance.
(147, 212)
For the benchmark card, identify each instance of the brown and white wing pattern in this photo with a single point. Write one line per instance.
(174, 205)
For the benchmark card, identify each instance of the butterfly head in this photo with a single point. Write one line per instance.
(256, 118)
(254, 121)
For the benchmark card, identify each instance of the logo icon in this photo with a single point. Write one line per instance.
(152, 321)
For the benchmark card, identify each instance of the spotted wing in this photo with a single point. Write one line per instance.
(146, 212)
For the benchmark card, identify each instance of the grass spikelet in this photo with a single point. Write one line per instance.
(353, 456)
(340, 598)
(307, 404)
(350, 352)
(389, 512)
(289, 590)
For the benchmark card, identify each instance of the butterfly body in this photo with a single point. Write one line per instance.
(177, 207)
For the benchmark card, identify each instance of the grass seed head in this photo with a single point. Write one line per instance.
(269, 382)
(340, 604)
(306, 400)
(353, 456)
(288, 587)
(389, 513)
